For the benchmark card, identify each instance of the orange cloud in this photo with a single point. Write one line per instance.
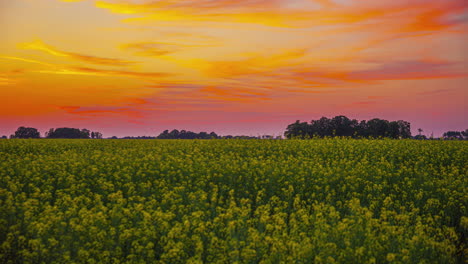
(96, 111)
(160, 48)
(151, 49)
(253, 64)
(410, 70)
(282, 13)
(233, 94)
(100, 72)
(270, 56)
(40, 45)
(25, 60)
(150, 75)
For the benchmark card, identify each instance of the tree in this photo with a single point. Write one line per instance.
(184, 134)
(85, 133)
(362, 129)
(96, 135)
(4, 137)
(404, 129)
(420, 131)
(174, 134)
(213, 135)
(66, 132)
(344, 127)
(203, 135)
(465, 134)
(454, 135)
(297, 130)
(164, 135)
(321, 127)
(27, 132)
(378, 128)
(399, 129)
(420, 137)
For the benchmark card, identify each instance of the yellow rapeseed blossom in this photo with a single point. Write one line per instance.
(233, 201)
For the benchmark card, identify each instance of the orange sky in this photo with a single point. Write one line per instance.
(135, 67)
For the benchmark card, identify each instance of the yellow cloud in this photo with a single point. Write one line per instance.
(100, 72)
(25, 60)
(41, 46)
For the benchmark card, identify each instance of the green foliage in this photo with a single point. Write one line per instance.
(26, 132)
(66, 132)
(341, 126)
(233, 201)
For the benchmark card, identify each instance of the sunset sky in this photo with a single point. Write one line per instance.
(135, 67)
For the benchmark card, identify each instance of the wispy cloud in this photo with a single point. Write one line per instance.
(410, 70)
(99, 111)
(427, 16)
(25, 60)
(101, 72)
(131, 60)
(41, 46)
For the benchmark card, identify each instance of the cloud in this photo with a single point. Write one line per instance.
(251, 64)
(99, 111)
(383, 71)
(233, 94)
(100, 72)
(157, 49)
(217, 55)
(409, 70)
(150, 49)
(406, 16)
(41, 46)
(4, 81)
(25, 60)
(150, 75)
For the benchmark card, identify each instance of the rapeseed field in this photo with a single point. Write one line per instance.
(233, 201)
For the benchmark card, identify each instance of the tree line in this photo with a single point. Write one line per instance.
(338, 126)
(342, 126)
(63, 132)
(183, 134)
(463, 135)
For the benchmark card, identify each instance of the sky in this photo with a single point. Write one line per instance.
(251, 67)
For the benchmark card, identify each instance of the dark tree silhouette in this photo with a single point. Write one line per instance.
(237, 137)
(342, 126)
(96, 135)
(183, 134)
(298, 130)
(66, 132)
(26, 132)
(378, 128)
(456, 135)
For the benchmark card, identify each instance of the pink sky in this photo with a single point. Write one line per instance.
(129, 67)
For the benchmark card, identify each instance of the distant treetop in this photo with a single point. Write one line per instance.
(26, 132)
(342, 126)
(66, 132)
(183, 134)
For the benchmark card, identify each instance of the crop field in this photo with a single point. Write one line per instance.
(233, 201)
